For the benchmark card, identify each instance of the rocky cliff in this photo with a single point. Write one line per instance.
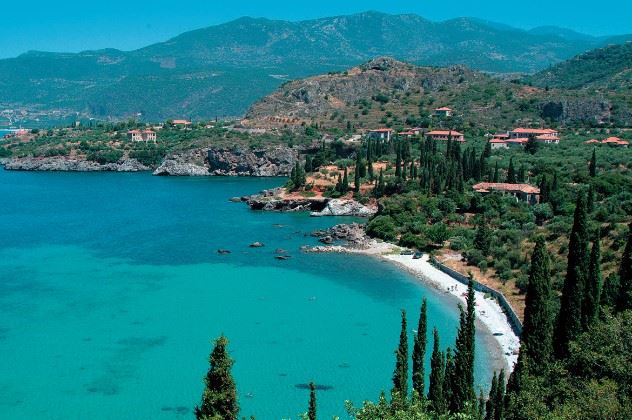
(237, 161)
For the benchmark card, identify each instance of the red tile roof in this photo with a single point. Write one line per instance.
(443, 108)
(382, 130)
(616, 140)
(497, 141)
(183, 122)
(407, 133)
(521, 140)
(592, 141)
(444, 133)
(534, 130)
(499, 186)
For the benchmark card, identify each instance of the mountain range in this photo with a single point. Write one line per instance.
(222, 69)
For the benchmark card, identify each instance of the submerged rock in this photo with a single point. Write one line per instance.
(256, 245)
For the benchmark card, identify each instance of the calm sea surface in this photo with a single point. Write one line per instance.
(111, 291)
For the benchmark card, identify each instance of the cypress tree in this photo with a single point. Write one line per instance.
(499, 405)
(592, 166)
(487, 151)
(400, 374)
(521, 177)
(339, 185)
(219, 399)
(610, 290)
(462, 390)
(419, 351)
(311, 413)
(490, 406)
(624, 298)
(356, 178)
(592, 292)
(370, 168)
(308, 164)
(537, 330)
(436, 395)
(449, 380)
(511, 172)
(590, 200)
(496, 173)
(569, 320)
(345, 181)
(480, 412)
(398, 163)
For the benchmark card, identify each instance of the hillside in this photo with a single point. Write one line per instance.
(605, 68)
(222, 69)
(387, 92)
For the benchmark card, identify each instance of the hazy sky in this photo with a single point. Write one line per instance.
(74, 25)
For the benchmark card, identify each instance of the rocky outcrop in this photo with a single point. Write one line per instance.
(274, 161)
(237, 161)
(62, 163)
(274, 200)
(353, 234)
(338, 207)
(189, 163)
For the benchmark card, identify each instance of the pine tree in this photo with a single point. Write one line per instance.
(219, 399)
(624, 298)
(437, 370)
(311, 413)
(537, 330)
(400, 374)
(569, 320)
(419, 351)
(592, 166)
(592, 292)
(511, 172)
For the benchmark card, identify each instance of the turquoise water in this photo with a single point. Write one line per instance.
(111, 291)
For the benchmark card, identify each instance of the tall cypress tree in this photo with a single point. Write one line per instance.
(624, 298)
(496, 177)
(462, 390)
(311, 413)
(592, 166)
(490, 406)
(592, 292)
(483, 237)
(219, 399)
(449, 379)
(436, 395)
(419, 351)
(356, 178)
(499, 405)
(537, 330)
(345, 181)
(511, 172)
(400, 374)
(569, 320)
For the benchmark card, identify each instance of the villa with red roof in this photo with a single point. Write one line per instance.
(381, 134)
(444, 111)
(616, 142)
(181, 123)
(544, 135)
(445, 135)
(407, 134)
(522, 192)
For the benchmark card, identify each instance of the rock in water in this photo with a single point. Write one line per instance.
(256, 245)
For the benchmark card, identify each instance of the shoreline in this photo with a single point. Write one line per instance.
(490, 317)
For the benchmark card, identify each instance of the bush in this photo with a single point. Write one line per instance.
(382, 227)
(105, 156)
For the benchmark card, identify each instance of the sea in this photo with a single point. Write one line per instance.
(112, 292)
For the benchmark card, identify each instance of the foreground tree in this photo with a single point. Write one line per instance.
(311, 413)
(462, 388)
(436, 395)
(219, 399)
(537, 331)
(592, 292)
(569, 321)
(400, 374)
(419, 352)
(624, 299)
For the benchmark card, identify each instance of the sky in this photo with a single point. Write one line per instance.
(76, 25)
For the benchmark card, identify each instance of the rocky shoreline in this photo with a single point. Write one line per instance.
(66, 164)
(352, 239)
(277, 199)
(275, 161)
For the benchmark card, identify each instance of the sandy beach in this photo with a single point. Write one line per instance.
(489, 314)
